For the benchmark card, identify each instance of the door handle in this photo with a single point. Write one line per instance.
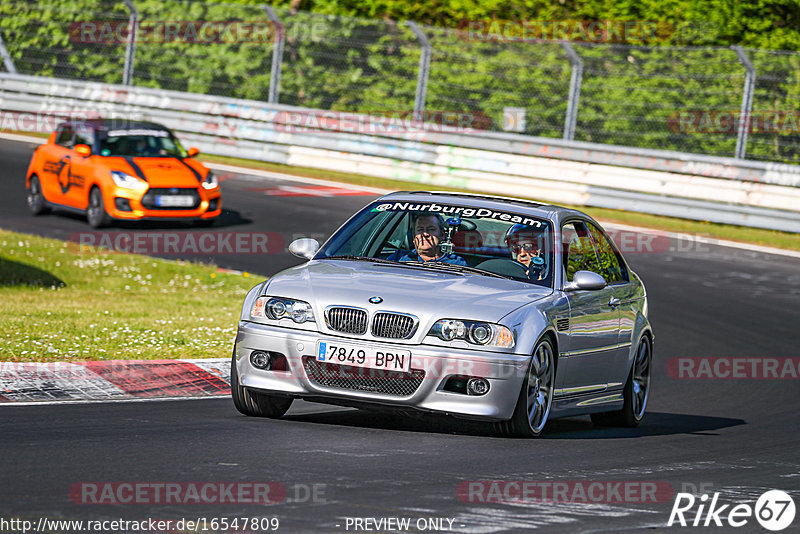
(613, 302)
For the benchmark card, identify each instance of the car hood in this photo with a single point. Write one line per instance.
(421, 291)
(160, 172)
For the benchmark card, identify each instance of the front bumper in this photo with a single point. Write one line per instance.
(504, 373)
(208, 207)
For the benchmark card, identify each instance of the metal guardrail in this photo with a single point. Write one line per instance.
(666, 183)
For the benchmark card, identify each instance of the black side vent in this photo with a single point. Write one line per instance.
(562, 324)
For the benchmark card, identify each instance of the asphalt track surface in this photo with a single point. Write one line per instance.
(738, 437)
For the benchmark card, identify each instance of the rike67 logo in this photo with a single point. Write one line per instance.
(774, 510)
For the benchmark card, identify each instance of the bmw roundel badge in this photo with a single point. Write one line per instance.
(375, 300)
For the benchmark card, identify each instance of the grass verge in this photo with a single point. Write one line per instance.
(63, 304)
(743, 234)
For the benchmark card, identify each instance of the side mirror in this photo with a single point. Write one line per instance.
(83, 150)
(305, 248)
(193, 152)
(585, 280)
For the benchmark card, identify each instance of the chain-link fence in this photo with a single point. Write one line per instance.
(689, 99)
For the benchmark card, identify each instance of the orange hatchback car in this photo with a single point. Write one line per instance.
(119, 169)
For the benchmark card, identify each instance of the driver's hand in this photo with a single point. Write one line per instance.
(425, 241)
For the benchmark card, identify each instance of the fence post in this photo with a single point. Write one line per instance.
(277, 56)
(747, 101)
(7, 61)
(575, 80)
(130, 48)
(424, 69)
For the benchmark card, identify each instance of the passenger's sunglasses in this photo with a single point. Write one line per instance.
(527, 247)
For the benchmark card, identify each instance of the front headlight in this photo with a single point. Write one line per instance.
(210, 181)
(127, 181)
(276, 308)
(475, 332)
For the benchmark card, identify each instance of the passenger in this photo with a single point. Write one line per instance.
(524, 243)
(428, 234)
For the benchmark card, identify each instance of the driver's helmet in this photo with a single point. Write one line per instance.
(523, 232)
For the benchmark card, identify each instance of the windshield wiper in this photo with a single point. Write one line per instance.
(353, 257)
(430, 264)
(457, 268)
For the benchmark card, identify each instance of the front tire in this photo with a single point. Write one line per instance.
(255, 404)
(536, 397)
(36, 201)
(637, 389)
(96, 212)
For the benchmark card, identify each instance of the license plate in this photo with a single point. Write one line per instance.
(388, 359)
(174, 201)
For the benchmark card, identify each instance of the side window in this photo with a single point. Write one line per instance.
(578, 250)
(615, 271)
(84, 136)
(65, 135)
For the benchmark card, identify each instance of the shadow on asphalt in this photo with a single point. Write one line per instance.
(226, 219)
(13, 273)
(655, 424)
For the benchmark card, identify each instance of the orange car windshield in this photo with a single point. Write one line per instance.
(141, 146)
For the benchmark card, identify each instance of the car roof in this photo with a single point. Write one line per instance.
(475, 200)
(117, 124)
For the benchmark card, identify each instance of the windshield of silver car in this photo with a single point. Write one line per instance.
(483, 241)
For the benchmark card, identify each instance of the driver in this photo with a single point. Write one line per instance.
(143, 148)
(524, 244)
(428, 234)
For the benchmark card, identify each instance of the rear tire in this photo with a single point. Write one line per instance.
(36, 201)
(635, 393)
(96, 211)
(536, 396)
(256, 404)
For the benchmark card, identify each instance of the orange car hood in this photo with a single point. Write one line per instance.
(160, 172)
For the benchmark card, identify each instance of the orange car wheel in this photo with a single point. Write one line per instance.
(36, 201)
(96, 212)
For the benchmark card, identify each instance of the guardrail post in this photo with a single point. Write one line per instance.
(747, 101)
(130, 47)
(7, 61)
(424, 69)
(277, 56)
(575, 80)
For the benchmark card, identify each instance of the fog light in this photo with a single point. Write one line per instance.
(477, 386)
(261, 360)
(212, 204)
(122, 204)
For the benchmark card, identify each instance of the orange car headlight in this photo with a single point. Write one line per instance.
(126, 181)
(210, 181)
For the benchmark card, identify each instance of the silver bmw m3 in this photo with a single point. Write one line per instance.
(479, 307)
